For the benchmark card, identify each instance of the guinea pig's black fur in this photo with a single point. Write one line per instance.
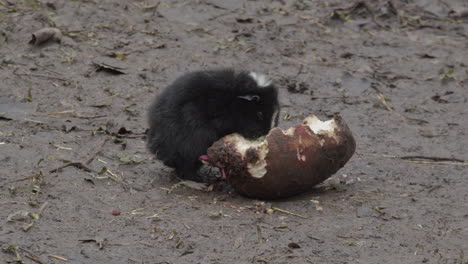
(201, 107)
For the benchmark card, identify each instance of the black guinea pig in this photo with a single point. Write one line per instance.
(201, 107)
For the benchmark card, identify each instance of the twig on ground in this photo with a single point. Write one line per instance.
(289, 213)
(359, 5)
(35, 259)
(431, 158)
(78, 165)
(42, 76)
(333, 97)
(54, 113)
(99, 149)
(32, 257)
(25, 178)
(58, 257)
(383, 101)
(259, 234)
(42, 208)
(417, 159)
(88, 117)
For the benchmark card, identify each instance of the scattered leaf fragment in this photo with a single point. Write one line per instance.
(238, 242)
(294, 245)
(194, 185)
(447, 75)
(459, 13)
(380, 209)
(35, 188)
(215, 214)
(245, 20)
(20, 215)
(319, 208)
(90, 180)
(149, 7)
(124, 131)
(34, 215)
(103, 170)
(30, 96)
(280, 227)
(108, 68)
(99, 241)
(188, 250)
(199, 31)
(426, 56)
(127, 159)
(160, 46)
(119, 56)
(43, 35)
(347, 55)
(27, 226)
(13, 250)
(42, 208)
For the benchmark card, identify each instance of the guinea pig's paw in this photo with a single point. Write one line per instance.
(206, 160)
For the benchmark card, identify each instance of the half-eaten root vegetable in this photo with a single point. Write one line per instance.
(284, 163)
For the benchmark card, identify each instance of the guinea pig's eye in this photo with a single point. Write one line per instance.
(250, 97)
(260, 115)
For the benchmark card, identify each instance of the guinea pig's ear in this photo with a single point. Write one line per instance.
(250, 97)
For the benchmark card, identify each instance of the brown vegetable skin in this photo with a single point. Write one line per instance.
(284, 163)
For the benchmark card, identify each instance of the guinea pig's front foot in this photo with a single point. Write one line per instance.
(206, 160)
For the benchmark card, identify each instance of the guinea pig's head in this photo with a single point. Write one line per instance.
(256, 105)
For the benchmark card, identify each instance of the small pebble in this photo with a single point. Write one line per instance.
(115, 212)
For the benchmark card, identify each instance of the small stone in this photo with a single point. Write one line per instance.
(116, 212)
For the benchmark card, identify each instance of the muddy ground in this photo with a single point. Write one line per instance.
(395, 70)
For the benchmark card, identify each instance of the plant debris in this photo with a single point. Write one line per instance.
(245, 20)
(44, 35)
(289, 213)
(119, 56)
(109, 68)
(294, 245)
(199, 186)
(99, 241)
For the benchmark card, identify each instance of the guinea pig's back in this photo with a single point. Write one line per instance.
(191, 101)
(166, 114)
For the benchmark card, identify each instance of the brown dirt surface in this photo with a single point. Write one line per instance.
(78, 186)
